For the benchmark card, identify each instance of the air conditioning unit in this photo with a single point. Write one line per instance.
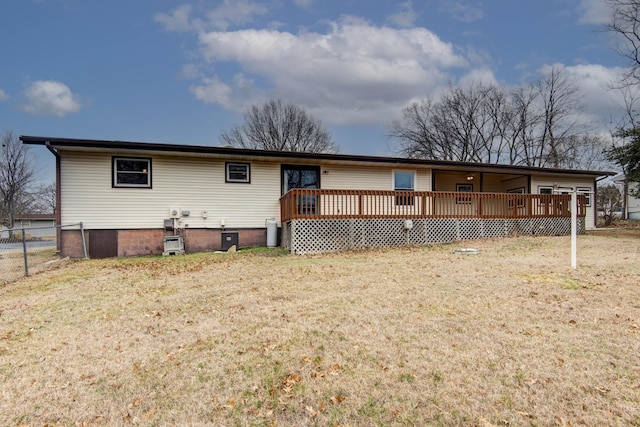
(174, 212)
(173, 245)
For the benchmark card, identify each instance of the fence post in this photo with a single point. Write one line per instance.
(24, 252)
(84, 244)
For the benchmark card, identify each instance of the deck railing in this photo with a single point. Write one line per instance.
(301, 203)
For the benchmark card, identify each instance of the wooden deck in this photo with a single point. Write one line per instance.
(302, 203)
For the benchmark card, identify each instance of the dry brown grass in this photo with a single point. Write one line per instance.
(414, 336)
(38, 259)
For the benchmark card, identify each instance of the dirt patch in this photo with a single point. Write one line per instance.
(413, 336)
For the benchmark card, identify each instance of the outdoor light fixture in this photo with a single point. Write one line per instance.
(469, 177)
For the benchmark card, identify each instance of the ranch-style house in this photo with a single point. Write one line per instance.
(135, 198)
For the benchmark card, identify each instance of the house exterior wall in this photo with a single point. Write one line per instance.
(486, 182)
(633, 205)
(538, 181)
(516, 183)
(191, 184)
(447, 181)
(36, 228)
(369, 178)
(197, 185)
(39, 228)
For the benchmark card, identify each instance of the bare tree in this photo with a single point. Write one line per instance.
(625, 146)
(625, 24)
(16, 177)
(277, 126)
(534, 125)
(609, 198)
(627, 132)
(524, 127)
(464, 125)
(45, 201)
(561, 106)
(627, 156)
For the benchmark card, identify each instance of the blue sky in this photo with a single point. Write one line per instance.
(183, 71)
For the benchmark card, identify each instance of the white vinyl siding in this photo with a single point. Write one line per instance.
(491, 183)
(633, 204)
(368, 178)
(448, 181)
(192, 184)
(564, 184)
(197, 185)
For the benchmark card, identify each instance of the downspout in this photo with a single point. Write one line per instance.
(58, 211)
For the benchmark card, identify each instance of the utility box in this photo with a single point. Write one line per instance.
(228, 240)
(173, 245)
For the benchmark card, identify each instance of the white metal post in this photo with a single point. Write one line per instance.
(574, 229)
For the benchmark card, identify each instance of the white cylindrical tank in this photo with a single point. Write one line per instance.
(272, 233)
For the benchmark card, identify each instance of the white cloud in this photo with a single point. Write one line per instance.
(594, 12)
(355, 72)
(405, 17)
(235, 12)
(213, 91)
(603, 106)
(50, 98)
(3, 95)
(478, 75)
(594, 82)
(229, 13)
(178, 20)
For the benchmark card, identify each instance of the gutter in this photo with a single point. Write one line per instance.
(58, 212)
(316, 158)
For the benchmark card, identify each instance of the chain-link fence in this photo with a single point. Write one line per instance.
(28, 250)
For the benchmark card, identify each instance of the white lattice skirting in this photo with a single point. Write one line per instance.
(307, 236)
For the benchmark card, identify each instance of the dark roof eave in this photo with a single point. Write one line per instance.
(231, 151)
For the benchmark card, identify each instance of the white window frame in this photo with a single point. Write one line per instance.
(587, 194)
(565, 190)
(116, 172)
(545, 187)
(404, 200)
(227, 173)
(413, 180)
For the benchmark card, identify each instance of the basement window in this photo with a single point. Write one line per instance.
(131, 172)
(238, 172)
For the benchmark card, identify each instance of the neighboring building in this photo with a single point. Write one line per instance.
(38, 226)
(129, 195)
(633, 203)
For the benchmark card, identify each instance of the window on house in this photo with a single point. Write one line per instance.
(404, 181)
(587, 194)
(464, 188)
(238, 172)
(131, 172)
(545, 190)
(565, 190)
